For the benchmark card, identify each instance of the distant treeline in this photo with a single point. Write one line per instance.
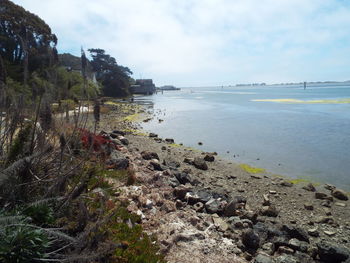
(30, 63)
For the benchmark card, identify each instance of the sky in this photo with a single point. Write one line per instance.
(208, 42)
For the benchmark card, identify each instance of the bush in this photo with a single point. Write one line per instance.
(40, 214)
(22, 244)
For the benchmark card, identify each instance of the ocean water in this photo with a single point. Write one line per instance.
(285, 129)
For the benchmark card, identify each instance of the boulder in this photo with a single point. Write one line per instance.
(156, 165)
(171, 163)
(298, 245)
(309, 187)
(329, 187)
(339, 194)
(213, 206)
(332, 252)
(267, 231)
(237, 203)
(321, 196)
(199, 163)
(204, 196)
(209, 158)
(296, 232)
(250, 239)
(149, 155)
(153, 135)
(181, 191)
(189, 160)
(220, 224)
(169, 140)
(183, 178)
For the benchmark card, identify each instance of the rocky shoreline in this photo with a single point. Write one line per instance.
(205, 209)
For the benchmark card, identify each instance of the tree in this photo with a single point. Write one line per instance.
(26, 41)
(114, 78)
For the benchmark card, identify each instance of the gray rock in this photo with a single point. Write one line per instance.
(309, 187)
(261, 258)
(189, 160)
(250, 239)
(267, 231)
(156, 165)
(325, 219)
(286, 183)
(183, 178)
(332, 252)
(149, 155)
(119, 164)
(213, 206)
(269, 248)
(169, 140)
(296, 232)
(308, 206)
(269, 211)
(323, 196)
(171, 163)
(181, 191)
(298, 245)
(286, 259)
(153, 135)
(340, 194)
(220, 223)
(203, 196)
(237, 222)
(329, 187)
(209, 158)
(238, 202)
(200, 164)
(285, 250)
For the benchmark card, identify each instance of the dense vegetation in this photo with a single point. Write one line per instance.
(114, 78)
(28, 53)
(57, 202)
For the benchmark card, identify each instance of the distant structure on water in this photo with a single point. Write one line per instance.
(251, 84)
(144, 87)
(168, 87)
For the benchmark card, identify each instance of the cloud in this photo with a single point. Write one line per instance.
(207, 42)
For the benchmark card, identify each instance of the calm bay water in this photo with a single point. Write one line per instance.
(306, 136)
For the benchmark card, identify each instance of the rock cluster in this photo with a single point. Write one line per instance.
(192, 219)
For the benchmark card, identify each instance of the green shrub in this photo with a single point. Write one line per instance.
(40, 214)
(22, 244)
(135, 245)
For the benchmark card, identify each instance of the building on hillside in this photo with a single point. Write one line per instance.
(143, 86)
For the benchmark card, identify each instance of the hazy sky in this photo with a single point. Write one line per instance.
(209, 42)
